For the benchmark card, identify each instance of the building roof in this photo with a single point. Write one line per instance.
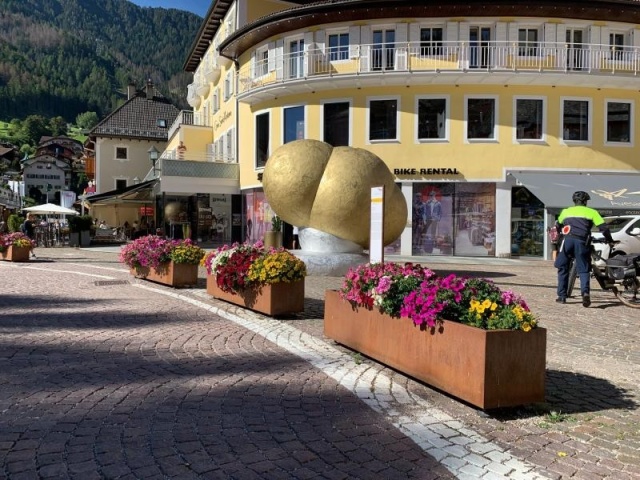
(208, 29)
(146, 115)
(308, 13)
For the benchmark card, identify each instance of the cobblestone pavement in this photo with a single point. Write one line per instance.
(105, 376)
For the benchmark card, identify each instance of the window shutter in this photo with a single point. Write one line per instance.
(278, 54)
(272, 56)
(365, 48)
(354, 42)
(401, 46)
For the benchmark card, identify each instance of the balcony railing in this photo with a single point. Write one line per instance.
(198, 156)
(437, 57)
(188, 117)
(167, 167)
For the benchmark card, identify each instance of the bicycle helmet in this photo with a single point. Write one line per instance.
(580, 198)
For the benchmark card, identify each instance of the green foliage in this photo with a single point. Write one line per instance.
(65, 57)
(14, 221)
(80, 223)
(87, 120)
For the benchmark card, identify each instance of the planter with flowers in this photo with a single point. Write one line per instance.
(15, 247)
(170, 262)
(273, 237)
(267, 280)
(464, 336)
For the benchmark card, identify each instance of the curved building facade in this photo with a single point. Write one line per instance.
(489, 115)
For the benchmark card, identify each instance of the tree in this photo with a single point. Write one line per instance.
(58, 126)
(87, 120)
(34, 128)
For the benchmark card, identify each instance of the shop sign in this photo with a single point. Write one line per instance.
(146, 211)
(425, 171)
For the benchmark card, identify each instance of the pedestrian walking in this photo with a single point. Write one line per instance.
(576, 223)
(29, 229)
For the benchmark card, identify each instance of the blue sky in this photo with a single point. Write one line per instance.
(199, 7)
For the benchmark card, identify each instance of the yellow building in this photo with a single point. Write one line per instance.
(490, 115)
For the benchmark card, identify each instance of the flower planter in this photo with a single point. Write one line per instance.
(272, 239)
(172, 274)
(15, 254)
(486, 368)
(271, 299)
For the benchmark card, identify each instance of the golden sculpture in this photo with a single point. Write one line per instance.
(309, 183)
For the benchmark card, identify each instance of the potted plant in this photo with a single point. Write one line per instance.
(267, 280)
(171, 262)
(273, 238)
(79, 230)
(15, 247)
(462, 335)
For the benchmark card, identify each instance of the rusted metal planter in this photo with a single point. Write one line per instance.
(173, 274)
(486, 368)
(15, 254)
(272, 299)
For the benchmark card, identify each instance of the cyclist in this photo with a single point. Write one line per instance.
(576, 223)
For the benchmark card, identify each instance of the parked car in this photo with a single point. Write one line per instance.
(626, 230)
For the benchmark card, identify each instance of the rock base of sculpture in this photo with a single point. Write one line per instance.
(329, 264)
(326, 255)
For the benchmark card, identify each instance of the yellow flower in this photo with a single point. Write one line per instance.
(526, 326)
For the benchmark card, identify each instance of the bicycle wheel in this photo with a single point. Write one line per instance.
(629, 296)
(573, 274)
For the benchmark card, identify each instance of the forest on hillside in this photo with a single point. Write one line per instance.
(65, 57)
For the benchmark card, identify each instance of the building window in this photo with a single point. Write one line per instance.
(228, 85)
(262, 139)
(431, 41)
(619, 128)
(336, 124)
(121, 183)
(161, 123)
(432, 119)
(383, 119)
(616, 45)
(339, 46)
(121, 153)
(261, 66)
(575, 120)
(529, 121)
(527, 42)
(293, 124)
(481, 118)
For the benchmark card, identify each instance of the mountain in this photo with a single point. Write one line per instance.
(65, 57)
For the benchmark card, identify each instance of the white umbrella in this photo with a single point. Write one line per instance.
(50, 209)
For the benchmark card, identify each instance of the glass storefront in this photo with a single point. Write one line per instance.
(453, 219)
(527, 224)
(205, 218)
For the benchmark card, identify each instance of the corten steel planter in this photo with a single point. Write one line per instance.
(173, 274)
(15, 254)
(272, 299)
(486, 368)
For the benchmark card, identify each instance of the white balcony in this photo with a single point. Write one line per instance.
(193, 98)
(443, 62)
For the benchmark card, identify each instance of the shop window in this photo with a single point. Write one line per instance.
(452, 219)
(527, 224)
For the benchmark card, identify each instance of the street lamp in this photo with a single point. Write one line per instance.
(153, 156)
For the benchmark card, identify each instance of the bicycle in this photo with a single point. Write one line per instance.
(612, 272)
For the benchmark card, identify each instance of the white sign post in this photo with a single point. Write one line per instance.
(376, 235)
